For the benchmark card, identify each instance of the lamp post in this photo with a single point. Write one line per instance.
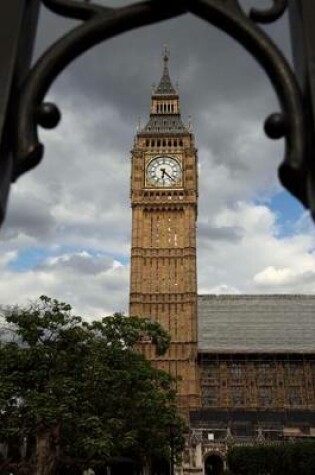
(172, 439)
(302, 20)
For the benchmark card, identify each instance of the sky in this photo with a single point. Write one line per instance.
(67, 230)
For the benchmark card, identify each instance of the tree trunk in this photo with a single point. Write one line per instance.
(47, 451)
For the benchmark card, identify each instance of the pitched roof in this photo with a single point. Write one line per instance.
(165, 124)
(263, 323)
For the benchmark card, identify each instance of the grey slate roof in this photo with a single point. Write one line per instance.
(256, 323)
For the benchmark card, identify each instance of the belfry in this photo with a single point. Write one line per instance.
(164, 195)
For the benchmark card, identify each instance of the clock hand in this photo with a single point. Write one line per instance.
(165, 173)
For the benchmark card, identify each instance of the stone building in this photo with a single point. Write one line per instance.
(256, 357)
(246, 363)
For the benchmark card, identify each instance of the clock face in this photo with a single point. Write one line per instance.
(164, 172)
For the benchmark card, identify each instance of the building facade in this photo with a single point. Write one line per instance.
(256, 358)
(246, 363)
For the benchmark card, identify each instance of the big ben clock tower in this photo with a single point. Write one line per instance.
(164, 194)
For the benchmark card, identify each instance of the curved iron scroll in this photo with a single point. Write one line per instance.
(101, 23)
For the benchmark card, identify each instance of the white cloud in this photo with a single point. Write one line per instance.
(282, 277)
(261, 260)
(94, 285)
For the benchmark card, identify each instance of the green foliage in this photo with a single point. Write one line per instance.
(286, 459)
(89, 381)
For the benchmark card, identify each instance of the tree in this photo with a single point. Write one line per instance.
(83, 391)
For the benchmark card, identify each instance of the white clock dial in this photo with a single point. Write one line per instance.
(164, 172)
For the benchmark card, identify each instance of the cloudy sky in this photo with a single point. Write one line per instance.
(67, 231)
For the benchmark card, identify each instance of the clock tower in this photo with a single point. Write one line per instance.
(163, 283)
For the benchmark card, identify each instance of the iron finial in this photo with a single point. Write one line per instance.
(166, 53)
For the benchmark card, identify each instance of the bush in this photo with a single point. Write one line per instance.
(287, 459)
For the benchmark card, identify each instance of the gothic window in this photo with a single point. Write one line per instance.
(236, 371)
(238, 396)
(169, 143)
(159, 143)
(210, 373)
(175, 143)
(180, 143)
(153, 143)
(147, 143)
(265, 373)
(295, 398)
(164, 143)
(209, 396)
(294, 370)
(265, 396)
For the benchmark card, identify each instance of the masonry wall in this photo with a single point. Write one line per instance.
(258, 381)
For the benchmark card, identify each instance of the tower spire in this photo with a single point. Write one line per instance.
(165, 86)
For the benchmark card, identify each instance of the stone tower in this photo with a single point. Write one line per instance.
(163, 284)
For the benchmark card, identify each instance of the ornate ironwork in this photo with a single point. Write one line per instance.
(99, 23)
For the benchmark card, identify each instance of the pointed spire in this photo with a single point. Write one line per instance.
(165, 86)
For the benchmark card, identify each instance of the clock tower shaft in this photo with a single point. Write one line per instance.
(163, 283)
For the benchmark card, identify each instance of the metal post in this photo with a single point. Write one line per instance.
(18, 20)
(302, 21)
(172, 434)
(171, 462)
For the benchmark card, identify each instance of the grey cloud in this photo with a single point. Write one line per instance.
(27, 215)
(207, 233)
(81, 263)
(212, 63)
